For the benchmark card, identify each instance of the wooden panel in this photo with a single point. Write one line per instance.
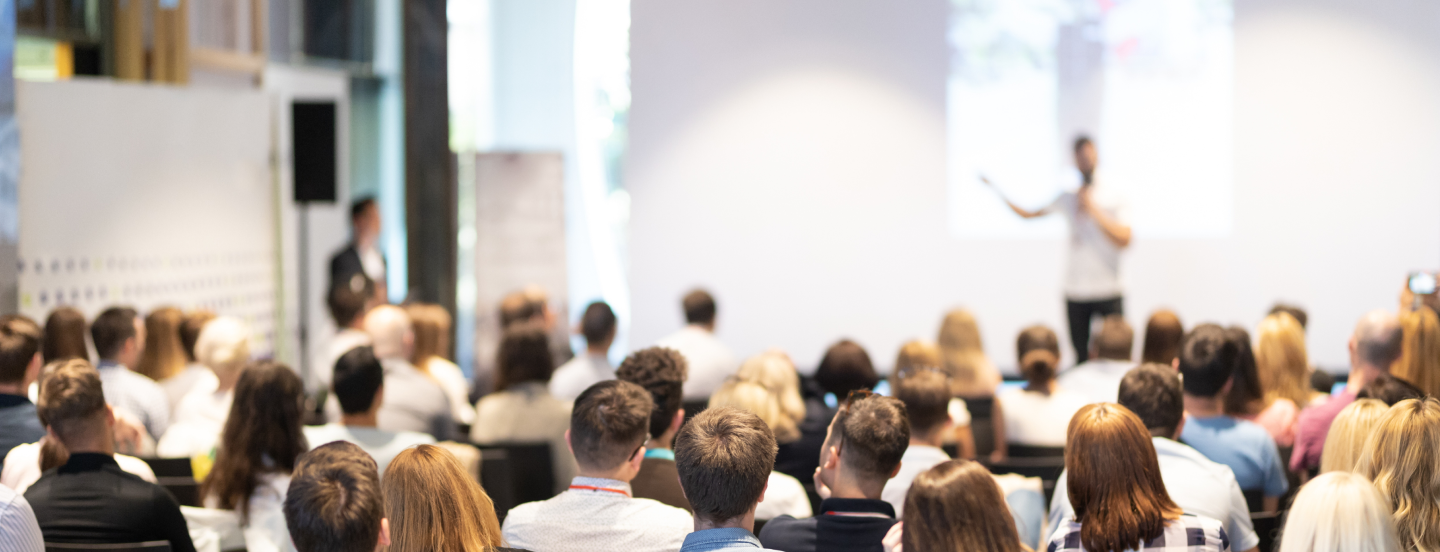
(129, 39)
(171, 56)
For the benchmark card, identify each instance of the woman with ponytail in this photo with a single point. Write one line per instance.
(1039, 413)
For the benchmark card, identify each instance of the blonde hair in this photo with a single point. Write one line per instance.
(1281, 359)
(223, 345)
(916, 354)
(433, 505)
(164, 354)
(1346, 439)
(1339, 512)
(774, 371)
(962, 355)
(431, 324)
(1400, 458)
(1419, 361)
(755, 398)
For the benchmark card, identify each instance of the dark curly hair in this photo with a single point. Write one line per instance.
(524, 355)
(662, 372)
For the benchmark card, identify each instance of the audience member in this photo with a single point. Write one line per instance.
(179, 385)
(598, 325)
(1419, 361)
(661, 372)
(956, 490)
(917, 354)
(797, 458)
(709, 360)
(359, 385)
(1299, 314)
(1162, 338)
(89, 499)
(1207, 363)
(532, 304)
(1117, 493)
(18, 527)
(1399, 458)
(1389, 390)
(434, 506)
(64, 335)
(163, 356)
(416, 402)
(362, 256)
(334, 502)
(19, 367)
(1040, 412)
(1098, 378)
(962, 355)
(926, 396)
(1339, 512)
(725, 457)
(862, 452)
(1348, 433)
(1283, 363)
(607, 436)
(1374, 346)
(119, 335)
(257, 453)
(432, 325)
(784, 495)
(522, 409)
(224, 348)
(348, 302)
(1198, 485)
(1253, 397)
(846, 367)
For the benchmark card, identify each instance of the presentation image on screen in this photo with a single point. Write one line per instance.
(1149, 81)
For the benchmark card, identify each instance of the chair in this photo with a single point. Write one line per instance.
(694, 407)
(1030, 451)
(982, 424)
(516, 473)
(1047, 469)
(1254, 499)
(177, 476)
(148, 546)
(1267, 527)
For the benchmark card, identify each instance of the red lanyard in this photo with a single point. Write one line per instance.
(593, 488)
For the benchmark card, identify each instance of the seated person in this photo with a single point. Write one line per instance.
(862, 452)
(436, 505)
(223, 347)
(334, 502)
(19, 367)
(784, 495)
(1207, 364)
(416, 402)
(348, 302)
(725, 457)
(359, 384)
(661, 372)
(89, 499)
(607, 436)
(432, 325)
(119, 336)
(521, 410)
(1040, 412)
(1389, 389)
(598, 325)
(926, 394)
(1097, 379)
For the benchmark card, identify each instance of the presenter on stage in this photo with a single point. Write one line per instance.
(1099, 231)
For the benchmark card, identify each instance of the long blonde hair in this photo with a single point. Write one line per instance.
(431, 324)
(962, 355)
(755, 398)
(1419, 361)
(1339, 512)
(433, 505)
(164, 354)
(1348, 433)
(1400, 458)
(1282, 361)
(774, 371)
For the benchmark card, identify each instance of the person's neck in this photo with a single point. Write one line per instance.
(227, 381)
(746, 522)
(600, 350)
(113, 361)
(1203, 407)
(1047, 387)
(709, 327)
(848, 486)
(665, 441)
(363, 419)
(358, 324)
(1360, 376)
(22, 388)
(618, 474)
(934, 438)
(102, 445)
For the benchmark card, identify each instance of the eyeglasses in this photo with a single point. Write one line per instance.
(914, 370)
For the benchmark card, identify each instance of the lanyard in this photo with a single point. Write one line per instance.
(594, 488)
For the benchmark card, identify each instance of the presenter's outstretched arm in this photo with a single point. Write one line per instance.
(1013, 207)
(1118, 232)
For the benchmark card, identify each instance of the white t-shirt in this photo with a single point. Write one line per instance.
(709, 361)
(199, 421)
(578, 374)
(784, 495)
(1093, 270)
(322, 371)
(917, 460)
(382, 445)
(1036, 419)
(1095, 380)
(456, 386)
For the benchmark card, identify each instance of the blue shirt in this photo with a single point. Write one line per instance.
(729, 538)
(1244, 446)
(137, 395)
(18, 423)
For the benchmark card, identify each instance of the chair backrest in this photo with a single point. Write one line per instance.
(1048, 469)
(1267, 527)
(148, 546)
(1030, 451)
(1255, 499)
(178, 477)
(516, 473)
(982, 424)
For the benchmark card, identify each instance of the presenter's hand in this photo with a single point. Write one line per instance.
(1087, 204)
(986, 181)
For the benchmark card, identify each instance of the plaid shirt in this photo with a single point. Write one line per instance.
(1187, 534)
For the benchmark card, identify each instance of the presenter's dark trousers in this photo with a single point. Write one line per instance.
(1081, 313)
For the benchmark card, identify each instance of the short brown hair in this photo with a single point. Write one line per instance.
(64, 335)
(846, 367)
(19, 341)
(872, 432)
(524, 355)
(1162, 338)
(111, 329)
(1152, 392)
(70, 398)
(1115, 339)
(334, 502)
(724, 456)
(699, 307)
(926, 395)
(662, 372)
(958, 489)
(1113, 479)
(609, 423)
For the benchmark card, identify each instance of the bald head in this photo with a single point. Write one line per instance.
(1376, 343)
(390, 331)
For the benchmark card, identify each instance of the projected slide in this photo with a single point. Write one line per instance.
(1149, 80)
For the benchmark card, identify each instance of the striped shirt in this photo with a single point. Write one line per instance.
(1187, 534)
(19, 532)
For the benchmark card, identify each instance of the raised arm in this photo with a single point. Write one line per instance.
(1013, 207)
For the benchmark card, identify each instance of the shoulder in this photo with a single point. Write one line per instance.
(785, 527)
(412, 438)
(1200, 532)
(1066, 538)
(663, 515)
(137, 467)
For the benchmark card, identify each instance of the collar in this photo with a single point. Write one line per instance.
(88, 461)
(857, 507)
(661, 453)
(709, 538)
(7, 401)
(926, 451)
(106, 364)
(600, 486)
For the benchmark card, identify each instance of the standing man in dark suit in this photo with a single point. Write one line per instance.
(363, 255)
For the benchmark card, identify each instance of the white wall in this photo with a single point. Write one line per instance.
(790, 156)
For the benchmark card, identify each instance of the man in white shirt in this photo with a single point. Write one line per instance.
(359, 386)
(608, 429)
(415, 401)
(926, 394)
(574, 377)
(119, 337)
(1099, 231)
(709, 360)
(348, 303)
(1196, 484)
(1098, 379)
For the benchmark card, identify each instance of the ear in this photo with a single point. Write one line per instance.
(637, 459)
(568, 444)
(762, 491)
(109, 416)
(379, 398)
(895, 471)
(1179, 429)
(1175, 364)
(384, 539)
(32, 372)
(833, 460)
(677, 421)
(1229, 384)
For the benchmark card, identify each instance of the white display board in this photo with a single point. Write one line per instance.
(147, 196)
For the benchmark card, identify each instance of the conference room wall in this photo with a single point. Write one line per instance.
(790, 156)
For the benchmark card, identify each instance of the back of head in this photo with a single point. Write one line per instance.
(926, 396)
(775, 371)
(1038, 350)
(347, 300)
(1152, 392)
(1420, 350)
(1346, 438)
(917, 354)
(19, 342)
(1281, 358)
(872, 432)
(358, 376)
(1399, 458)
(262, 434)
(431, 324)
(962, 353)
(661, 372)
(390, 331)
(1389, 390)
(520, 306)
(756, 399)
(724, 456)
(434, 505)
(164, 354)
(958, 490)
(1247, 392)
(524, 355)
(1377, 339)
(1113, 479)
(1339, 512)
(334, 502)
(224, 345)
(846, 367)
(598, 323)
(1162, 337)
(72, 403)
(1294, 311)
(64, 335)
(1116, 339)
(699, 307)
(609, 424)
(1207, 360)
(111, 329)
(190, 329)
